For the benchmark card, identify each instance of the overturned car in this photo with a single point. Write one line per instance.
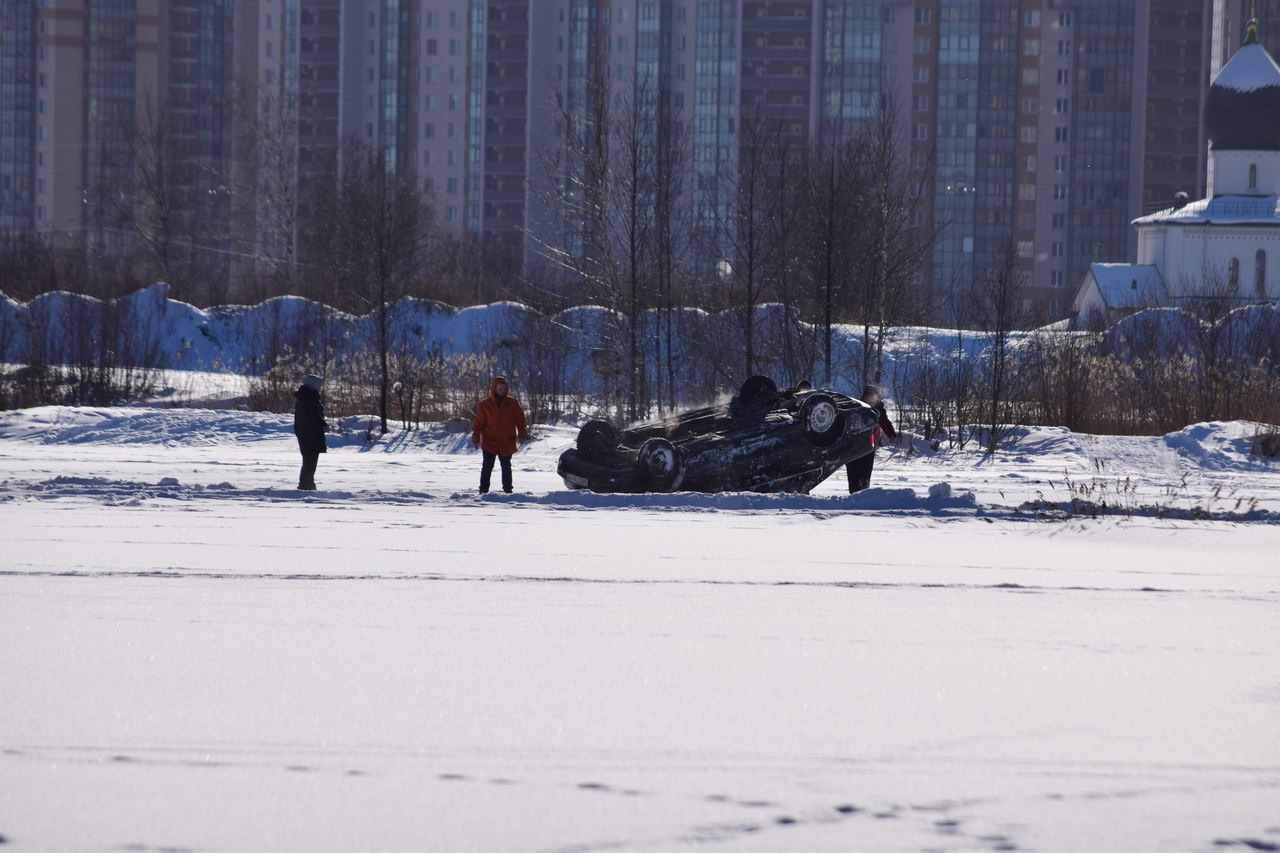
(763, 440)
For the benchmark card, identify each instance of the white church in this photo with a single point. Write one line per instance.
(1226, 245)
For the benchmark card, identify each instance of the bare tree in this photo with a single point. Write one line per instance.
(602, 184)
(999, 311)
(263, 186)
(746, 229)
(373, 234)
(893, 247)
(835, 192)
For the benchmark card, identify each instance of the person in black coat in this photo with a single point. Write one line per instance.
(309, 427)
(859, 470)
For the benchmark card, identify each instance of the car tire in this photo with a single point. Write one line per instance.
(821, 418)
(598, 439)
(758, 391)
(661, 465)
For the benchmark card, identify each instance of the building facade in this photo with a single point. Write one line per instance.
(1039, 126)
(1224, 246)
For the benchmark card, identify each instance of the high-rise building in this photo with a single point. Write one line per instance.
(1042, 127)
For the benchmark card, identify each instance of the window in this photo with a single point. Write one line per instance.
(1059, 163)
(1064, 77)
(1059, 221)
(1026, 249)
(1056, 278)
(1060, 134)
(921, 74)
(1064, 19)
(451, 186)
(1233, 275)
(1253, 173)
(1064, 48)
(922, 16)
(1031, 47)
(1059, 192)
(433, 47)
(1062, 106)
(1057, 249)
(1260, 272)
(1026, 192)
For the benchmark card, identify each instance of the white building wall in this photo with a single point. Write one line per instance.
(1196, 259)
(1245, 173)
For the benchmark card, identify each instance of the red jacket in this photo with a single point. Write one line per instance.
(498, 423)
(883, 425)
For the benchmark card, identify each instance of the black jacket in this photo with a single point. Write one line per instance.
(308, 420)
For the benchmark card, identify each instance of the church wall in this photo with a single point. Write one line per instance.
(1231, 173)
(1196, 260)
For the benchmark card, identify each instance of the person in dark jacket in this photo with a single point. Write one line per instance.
(498, 422)
(309, 427)
(859, 470)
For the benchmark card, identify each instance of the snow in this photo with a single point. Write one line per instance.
(149, 329)
(1129, 285)
(195, 656)
(1225, 209)
(1250, 69)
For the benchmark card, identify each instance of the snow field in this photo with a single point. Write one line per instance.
(196, 656)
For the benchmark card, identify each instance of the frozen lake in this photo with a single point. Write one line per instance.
(196, 657)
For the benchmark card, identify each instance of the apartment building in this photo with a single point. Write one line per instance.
(1041, 125)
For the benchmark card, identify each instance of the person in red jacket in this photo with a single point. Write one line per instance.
(499, 421)
(859, 470)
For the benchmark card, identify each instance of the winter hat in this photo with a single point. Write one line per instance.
(313, 382)
(868, 390)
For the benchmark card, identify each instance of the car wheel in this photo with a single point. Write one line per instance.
(758, 391)
(597, 439)
(661, 464)
(821, 419)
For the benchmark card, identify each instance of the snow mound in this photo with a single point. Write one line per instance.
(1218, 445)
(904, 500)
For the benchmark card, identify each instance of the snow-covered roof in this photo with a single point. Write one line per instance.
(1224, 209)
(1251, 68)
(1129, 285)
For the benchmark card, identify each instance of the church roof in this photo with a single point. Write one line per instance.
(1129, 285)
(1251, 68)
(1222, 210)
(1242, 109)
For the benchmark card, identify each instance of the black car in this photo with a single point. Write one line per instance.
(761, 441)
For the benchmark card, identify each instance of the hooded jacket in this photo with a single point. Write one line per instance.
(498, 423)
(308, 420)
